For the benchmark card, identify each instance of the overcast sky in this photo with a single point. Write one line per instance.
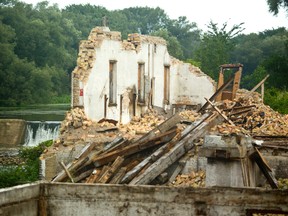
(254, 13)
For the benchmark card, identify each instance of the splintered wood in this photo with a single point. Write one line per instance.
(142, 160)
(142, 151)
(251, 116)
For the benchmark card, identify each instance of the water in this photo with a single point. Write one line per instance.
(39, 131)
(43, 121)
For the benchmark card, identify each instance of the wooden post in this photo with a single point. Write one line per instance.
(223, 87)
(220, 84)
(105, 106)
(262, 91)
(259, 84)
(67, 172)
(236, 83)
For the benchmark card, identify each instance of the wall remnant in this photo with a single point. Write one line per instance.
(107, 67)
(12, 132)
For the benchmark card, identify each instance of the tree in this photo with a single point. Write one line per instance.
(274, 5)
(145, 20)
(173, 45)
(216, 47)
(186, 33)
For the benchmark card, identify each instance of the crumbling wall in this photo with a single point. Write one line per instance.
(86, 59)
(191, 85)
(91, 84)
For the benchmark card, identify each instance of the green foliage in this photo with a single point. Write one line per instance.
(28, 171)
(277, 99)
(251, 80)
(38, 46)
(274, 5)
(63, 99)
(186, 33)
(216, 47)
(193, 62)
(173, 45)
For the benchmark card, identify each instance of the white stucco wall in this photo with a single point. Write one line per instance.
(188, 85)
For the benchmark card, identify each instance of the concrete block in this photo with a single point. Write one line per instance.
(12, 132)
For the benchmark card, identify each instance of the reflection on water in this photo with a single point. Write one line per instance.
(43, 121)
(49, 112)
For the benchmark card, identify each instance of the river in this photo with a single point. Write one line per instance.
(43, 121)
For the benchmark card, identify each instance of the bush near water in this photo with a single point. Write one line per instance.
(28, 170)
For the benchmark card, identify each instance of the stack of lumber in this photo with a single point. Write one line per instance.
(132, 162)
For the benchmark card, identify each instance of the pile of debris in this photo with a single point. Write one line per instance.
(135, 161)
(143, 151)
(193, 179)
(251, 116)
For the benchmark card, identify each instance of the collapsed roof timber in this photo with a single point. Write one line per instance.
(140, 116)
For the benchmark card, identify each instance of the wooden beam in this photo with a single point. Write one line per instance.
(219, 111)
(175, 153)
(223, 87)
(118, 176)
(134, 148)
(266, 170)
(259, 84)
(66, 170)
(111, 171)
(163, 127)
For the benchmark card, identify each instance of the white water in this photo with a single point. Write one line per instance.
(38, 132)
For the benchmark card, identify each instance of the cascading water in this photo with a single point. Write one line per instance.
(40, 131)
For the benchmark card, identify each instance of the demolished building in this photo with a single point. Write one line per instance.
(117, 79)
(118, 154)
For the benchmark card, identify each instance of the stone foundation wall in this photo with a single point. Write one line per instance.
(12, 132)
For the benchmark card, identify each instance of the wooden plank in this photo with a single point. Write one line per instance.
(111, 171)
(239, 108)
(266, 170)
(259, 84)
(67, 172)
(153, 157)
(176, 172)
(239, 112)
(219, 111)
(159, 152)
(134, 148)
(175, 153)
(83, 161)
(93, 176)
(86, 150)
(223, 87)
(118, 176)
(83, 175)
